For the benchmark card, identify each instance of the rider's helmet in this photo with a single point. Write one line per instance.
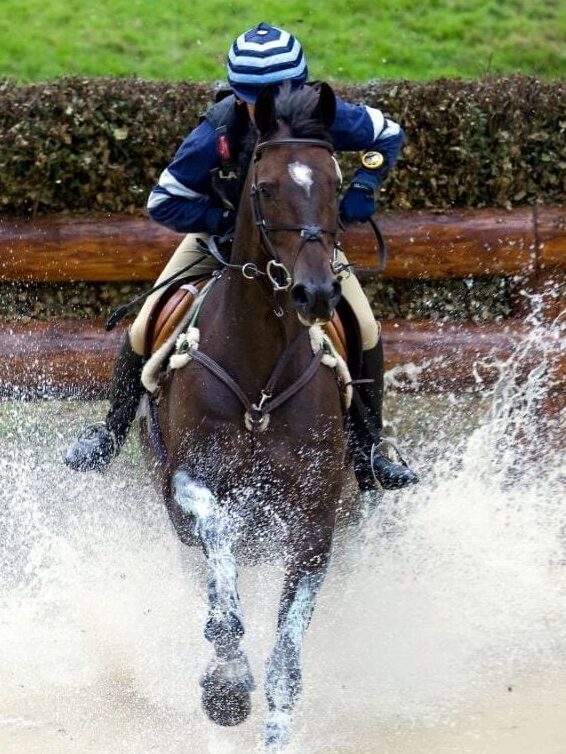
(264, 55)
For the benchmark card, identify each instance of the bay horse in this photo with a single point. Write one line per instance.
(253, 427)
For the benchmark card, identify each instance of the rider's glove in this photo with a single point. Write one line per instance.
(358, 203)
(219, 221)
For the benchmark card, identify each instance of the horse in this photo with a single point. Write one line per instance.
(252, 428)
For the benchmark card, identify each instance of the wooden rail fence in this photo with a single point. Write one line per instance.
(429, 244)
(74, 358)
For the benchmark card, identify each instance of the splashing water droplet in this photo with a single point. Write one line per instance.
(446, 595)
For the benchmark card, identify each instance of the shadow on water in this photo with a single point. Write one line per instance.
(441, 627)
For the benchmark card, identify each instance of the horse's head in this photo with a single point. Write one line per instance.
(295, 184)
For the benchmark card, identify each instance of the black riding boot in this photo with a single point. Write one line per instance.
(366, 426)
(99, 443)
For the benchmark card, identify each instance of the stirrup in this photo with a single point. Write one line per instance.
(377, 449)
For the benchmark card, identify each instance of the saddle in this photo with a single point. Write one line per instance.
(175, 302)
(169, 310)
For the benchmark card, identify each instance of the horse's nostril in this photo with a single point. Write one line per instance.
(336, 291)
(300, 295)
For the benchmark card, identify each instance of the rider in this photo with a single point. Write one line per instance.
(198, 194)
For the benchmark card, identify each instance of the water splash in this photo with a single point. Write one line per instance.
(441, 627)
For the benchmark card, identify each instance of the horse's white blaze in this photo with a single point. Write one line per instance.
(302, 175)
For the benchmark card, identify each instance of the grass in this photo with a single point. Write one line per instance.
(359, 40)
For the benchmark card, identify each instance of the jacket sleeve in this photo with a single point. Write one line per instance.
(183, 199)
(362, 128)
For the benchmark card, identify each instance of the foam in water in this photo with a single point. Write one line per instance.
(441, 626)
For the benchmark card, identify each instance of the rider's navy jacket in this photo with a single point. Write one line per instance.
(184, 199)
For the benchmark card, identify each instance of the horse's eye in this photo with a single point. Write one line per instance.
(266, 189)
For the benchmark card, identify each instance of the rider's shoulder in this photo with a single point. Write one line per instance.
(222, 109)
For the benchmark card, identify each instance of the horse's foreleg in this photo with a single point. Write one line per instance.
(228, 680)
(303, 578)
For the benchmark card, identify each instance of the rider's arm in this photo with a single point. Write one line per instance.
(363, 128)
(182, 200)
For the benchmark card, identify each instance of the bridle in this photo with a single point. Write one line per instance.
(276, 272)
(306, 232)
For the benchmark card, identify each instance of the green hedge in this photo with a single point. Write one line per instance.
(83, 144)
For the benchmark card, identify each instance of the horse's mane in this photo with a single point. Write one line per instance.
(296, 108)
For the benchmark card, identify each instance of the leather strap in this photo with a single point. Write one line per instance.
(223, 376)
(293, 141)
(303, 380)
(267, 403)
(381, 245)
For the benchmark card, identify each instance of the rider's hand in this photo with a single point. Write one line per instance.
(220, 221)
(358, 203)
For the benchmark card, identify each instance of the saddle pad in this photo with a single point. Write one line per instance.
(169, 310)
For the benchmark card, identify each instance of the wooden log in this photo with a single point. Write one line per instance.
(74, 358)
(447, 356)
(64, 358)
(541, 296)
(551, 237)
(68, 248)
(437, 245)
(542, 293)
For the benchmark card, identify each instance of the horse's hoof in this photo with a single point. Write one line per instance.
(226, 688)
(225, 706)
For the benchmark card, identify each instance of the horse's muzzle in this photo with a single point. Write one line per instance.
(315, 302)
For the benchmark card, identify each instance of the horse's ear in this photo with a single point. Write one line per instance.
(325, 111)
(264, 114)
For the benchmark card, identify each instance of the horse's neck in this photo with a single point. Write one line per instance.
(251, 307)
(248, 306)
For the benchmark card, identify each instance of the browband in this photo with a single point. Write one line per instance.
(284, 142)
